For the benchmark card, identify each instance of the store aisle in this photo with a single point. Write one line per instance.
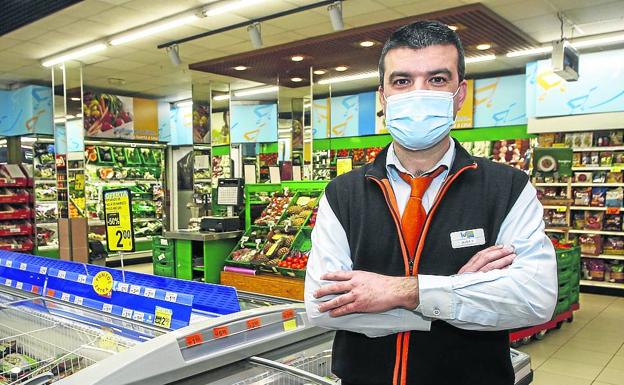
(588, 351)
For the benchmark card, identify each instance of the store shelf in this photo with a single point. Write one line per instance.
(585, 282)
(593, 208)
(45, 224)
(597, 184)
(47, 202)
(47, 180)
(594, 168)
(556, 230)
(128, 182)
(198, 268)
(202, 180)
(551, 184)
(605, 148)
(554, 207)
(598, 232)
(604, 256)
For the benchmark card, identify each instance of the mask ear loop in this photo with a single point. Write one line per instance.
(456, 92)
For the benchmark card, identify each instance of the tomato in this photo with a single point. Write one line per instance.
(289, 259)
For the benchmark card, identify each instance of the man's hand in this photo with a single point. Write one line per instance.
(495, 257)
(365, 292)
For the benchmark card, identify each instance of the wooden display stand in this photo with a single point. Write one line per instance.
(268, 284)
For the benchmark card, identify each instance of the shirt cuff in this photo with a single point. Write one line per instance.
(436, 297)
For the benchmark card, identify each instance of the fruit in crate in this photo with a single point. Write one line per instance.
(312, 222)
(295, 260)
(275, 209)
(243, 255)
(294, 210)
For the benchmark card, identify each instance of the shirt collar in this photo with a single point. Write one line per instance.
(393, 164)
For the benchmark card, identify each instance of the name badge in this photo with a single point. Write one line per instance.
(467, 238)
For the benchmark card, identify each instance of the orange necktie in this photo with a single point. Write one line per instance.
(414, 215)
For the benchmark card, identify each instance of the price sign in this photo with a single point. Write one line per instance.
(79, 183)
(163, 317)
(149, 292)
(78, 300)
(616, 169)
(290, 325)
(82, 278)
(19, 285)
(194, 339)
(118, 220)
(65, 297)
(344, 165)
(122, 287)
(138, 316)
(23, 266)
(171, 297)
(253, 323)
(107, 308)
(43, 270)
(561, 209)
(9, 263)
(134, 289)
(103, 283)
(127, 313)
(8, 282)
(613, 210)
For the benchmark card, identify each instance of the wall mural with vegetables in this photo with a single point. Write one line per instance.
(27, 110)
(121, 117)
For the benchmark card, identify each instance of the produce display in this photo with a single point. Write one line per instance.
(17, 364)
(273, 212)
(283, 248)
(220, 169)
(139, 169)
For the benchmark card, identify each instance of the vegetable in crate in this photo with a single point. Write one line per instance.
(616, 272)
(275, 209)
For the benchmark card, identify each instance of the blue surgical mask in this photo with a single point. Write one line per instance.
(420, 119)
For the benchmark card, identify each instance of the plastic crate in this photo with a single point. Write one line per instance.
(564, 288)
(166, 270)
(563, 304)
(314, 195)
(568, 258)
(303, 242)
(565, 275)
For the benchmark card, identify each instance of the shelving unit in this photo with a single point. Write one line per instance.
(586, 204)
(46, 195)
(139, 167)
(16, 212)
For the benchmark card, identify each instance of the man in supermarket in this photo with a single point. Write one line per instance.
(425, 258)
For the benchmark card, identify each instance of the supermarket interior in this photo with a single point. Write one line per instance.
(162, 164)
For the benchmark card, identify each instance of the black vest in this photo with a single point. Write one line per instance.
(477, 194)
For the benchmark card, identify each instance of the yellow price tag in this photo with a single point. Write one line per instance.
(561, 209)
(118, 220)
(289, 325)
(108, 341)
(79, 183)
(616, 169)
(103, 283)
(163, 317)
(344, 165)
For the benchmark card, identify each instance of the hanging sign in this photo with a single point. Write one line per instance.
(118, 220)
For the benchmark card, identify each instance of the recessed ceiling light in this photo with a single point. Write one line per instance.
(484, 46)
(240, 68)
(296, 80)
(297, 58)
(319, 72)
(367, 43)
(341, 68)
(75, 99)
(453, 27)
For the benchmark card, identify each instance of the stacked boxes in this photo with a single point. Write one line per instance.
(568, 274)
(163, 257)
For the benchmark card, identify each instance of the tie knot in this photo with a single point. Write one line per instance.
(420, 184)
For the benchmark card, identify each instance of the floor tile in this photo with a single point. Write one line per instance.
(543, 348)
(608, 347)
(582, 356)
(593, 332)
(617, 362)
(620, 352)
(571, 368)
(612, 376)
(541, 377)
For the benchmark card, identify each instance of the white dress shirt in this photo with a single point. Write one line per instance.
(523, 294)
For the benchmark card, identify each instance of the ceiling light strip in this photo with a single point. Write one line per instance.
(480, 59)
(228, 6)
(152, 30)
(530, 52)
(349, 78)
(256, 91)
(75, 54)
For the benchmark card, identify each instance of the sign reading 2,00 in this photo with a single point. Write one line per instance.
(118, 220)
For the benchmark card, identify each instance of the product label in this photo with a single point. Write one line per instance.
(118, 220)
(163, 317)
(103, 283)
(467, 238)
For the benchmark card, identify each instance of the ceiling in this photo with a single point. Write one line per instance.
(146, 70)
(329, 51)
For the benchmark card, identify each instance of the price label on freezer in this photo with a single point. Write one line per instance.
(65, 297)
(290, 325)
(127, 313)
(253, 323)
(107, 308)
(82, 278)
(103, 283)
(9, 263)
(149, 292)
(43, 270)
(23, 266)
(171, 297)
(138, 316)
(8, 282)
(220, 332)
(194, 339)
(61, 274)
(163, 317)
(78, 300)
(19, 285)
(123, 287)
(134, 289)
(35, 290)
(118, 220)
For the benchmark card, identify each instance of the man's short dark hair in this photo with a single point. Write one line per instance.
(423, 34)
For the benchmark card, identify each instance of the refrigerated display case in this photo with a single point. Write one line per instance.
(49, 336)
